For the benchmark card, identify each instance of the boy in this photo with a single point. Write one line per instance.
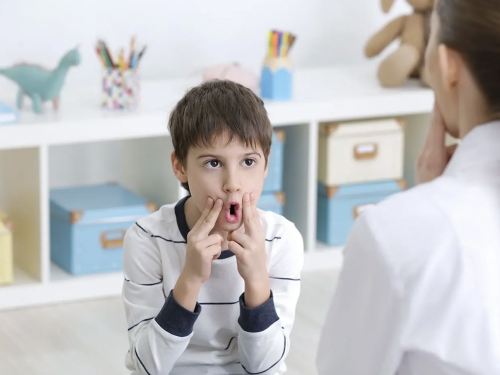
(211, 282)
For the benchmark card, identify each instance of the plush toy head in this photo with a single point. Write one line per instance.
(416, 4)
(233, 72)
(71, 58)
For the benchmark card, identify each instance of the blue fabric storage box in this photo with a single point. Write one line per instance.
(88, 224)
(272, 202)
(339, 206)
(274, 179)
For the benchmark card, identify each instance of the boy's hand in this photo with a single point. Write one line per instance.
(202, 248)
(249, 248)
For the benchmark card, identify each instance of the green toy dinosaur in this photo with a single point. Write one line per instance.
(40, 84)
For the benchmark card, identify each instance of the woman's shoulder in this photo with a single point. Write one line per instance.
(412, 228)
(421, 203)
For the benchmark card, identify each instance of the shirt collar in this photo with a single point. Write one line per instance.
(480, 147)
(181, 217)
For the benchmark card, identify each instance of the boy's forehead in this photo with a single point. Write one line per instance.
(223, 142)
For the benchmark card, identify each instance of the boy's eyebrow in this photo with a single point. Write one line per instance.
(253, 153)
(208, 156)
(220, 157)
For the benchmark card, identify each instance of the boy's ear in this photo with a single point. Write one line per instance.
(178, 168)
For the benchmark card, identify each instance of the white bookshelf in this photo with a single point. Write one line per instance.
(84, 144)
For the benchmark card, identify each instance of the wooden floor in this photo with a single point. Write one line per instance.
(90, 338)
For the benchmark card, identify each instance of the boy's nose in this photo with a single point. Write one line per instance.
(231, 185)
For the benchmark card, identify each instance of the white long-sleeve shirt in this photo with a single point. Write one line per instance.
(419, 293)
(221, 336)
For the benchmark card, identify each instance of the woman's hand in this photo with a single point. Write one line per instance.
(435, 155)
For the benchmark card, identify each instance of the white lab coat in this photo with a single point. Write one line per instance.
(419, 293)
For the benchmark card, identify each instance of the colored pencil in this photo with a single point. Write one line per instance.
(104, 54)
(101, 58)
(140, 56)
(131, 54)
(270, 43)
(280, 43)
(123, 60)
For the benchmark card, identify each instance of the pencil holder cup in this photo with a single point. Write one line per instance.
(276, 80)
(120, 89)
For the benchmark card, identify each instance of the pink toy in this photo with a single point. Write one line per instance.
(233, 72)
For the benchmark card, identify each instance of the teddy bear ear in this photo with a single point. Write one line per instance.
(386, 5)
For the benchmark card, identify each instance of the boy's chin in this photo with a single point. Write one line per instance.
(223, 225)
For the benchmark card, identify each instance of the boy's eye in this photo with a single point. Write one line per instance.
(212, 164)
(248, 162)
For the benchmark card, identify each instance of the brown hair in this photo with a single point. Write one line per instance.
(215, 108)
(472, 28)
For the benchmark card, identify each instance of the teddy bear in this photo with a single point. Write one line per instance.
(408, 59)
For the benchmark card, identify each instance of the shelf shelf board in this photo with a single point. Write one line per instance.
(320, 94)
(62, 287)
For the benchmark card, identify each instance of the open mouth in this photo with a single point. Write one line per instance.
(233, 212)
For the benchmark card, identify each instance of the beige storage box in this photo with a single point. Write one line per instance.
(6, 256)
(358, 152)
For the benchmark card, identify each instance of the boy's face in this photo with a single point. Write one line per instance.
(226, 171)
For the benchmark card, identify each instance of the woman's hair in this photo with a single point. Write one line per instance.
(472, 28)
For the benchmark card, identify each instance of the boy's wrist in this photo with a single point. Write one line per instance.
(257, 292)
(259, 278)
(186, 291)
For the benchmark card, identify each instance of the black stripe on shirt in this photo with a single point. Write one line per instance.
(283, 278)
(145, 320)
(272, 239)
(144, 230)
(130, 281)
(257, 373)
(154, 236)
(139, 358)
(230, 341)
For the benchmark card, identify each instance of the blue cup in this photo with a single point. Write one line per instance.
(276, 82)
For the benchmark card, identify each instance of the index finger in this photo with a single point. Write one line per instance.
(207, 223)
(257, 222)
(247, 210)
(208, 207)
(253, 203)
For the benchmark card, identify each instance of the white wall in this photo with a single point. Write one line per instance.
(185, 35)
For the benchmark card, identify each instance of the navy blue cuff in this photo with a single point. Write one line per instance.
(175, 319)
(259, 318)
